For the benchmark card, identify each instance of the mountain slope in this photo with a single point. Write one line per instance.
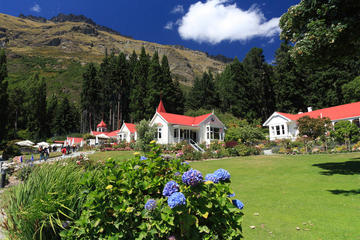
(84, 41)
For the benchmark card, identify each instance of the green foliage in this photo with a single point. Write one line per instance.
(11, 150)
(4, 98)
(40, 207)
(246, 134)
(351, 90)
(345, 132)
(203, 93)
(91, 98)
(322, 31)
(145, 134)
(114, 208)
(313, 127)
(24, 172)
(37, 117)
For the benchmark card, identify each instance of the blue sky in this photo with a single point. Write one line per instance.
(227, 27)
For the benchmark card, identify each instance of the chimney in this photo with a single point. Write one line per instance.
(309, 109)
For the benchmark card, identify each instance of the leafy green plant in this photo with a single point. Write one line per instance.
(11, 150)
(145, 133)
(24, 172)
(41, 207)
(149, 197)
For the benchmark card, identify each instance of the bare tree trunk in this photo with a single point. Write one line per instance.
(110, 118)
(113, 126)
(119, 116)
(90, 121)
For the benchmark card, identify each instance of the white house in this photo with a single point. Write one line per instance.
(284, 125)
(127, 132)
(173, 128)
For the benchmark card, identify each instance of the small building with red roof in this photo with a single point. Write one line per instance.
(127, 132)
(284, 125)
(174, 128)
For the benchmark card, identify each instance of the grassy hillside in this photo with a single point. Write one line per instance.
(82, 42)
(61, 75)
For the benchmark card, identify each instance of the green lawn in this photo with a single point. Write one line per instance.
(122, 155)
(320, 194)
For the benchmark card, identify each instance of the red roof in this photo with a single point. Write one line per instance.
(76, 140)
(182, 119)
(161, 107)
(131, 126)
(109, 134)
(113, 133)
(334, 113)
(102, 124)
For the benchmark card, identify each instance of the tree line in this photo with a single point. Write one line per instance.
(127, 88)
(28, 113)
(253, 89)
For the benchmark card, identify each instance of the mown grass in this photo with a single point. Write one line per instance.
(319, 194)
(119, 155)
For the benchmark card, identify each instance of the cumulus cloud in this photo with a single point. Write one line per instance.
(178, 9)
(35, 8)
(217, 20)
(169, 25)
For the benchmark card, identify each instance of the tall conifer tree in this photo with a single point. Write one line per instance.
(4, 98)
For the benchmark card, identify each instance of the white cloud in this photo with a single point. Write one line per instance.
(216, 21)
(169, 26)
(178, 9)
(36, 8)
(272, 40)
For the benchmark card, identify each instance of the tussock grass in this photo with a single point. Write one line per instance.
(38, 207)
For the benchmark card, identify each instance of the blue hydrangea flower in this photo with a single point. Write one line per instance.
(142, 158)
(238, 203)
(231, 195)
(170, 188)
(211, 177)
(177, 174)
(182, 163)
(150, 205)
(222, 174)
(176, 199)
(192, 177)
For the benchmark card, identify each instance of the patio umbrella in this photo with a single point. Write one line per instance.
(43, 144)
(26, 143)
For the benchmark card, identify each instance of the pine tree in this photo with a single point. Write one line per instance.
(4, 98)
(172, 94)
(91, 98)
(138, 87)
(203, 93)
(52, 105)
(260, 94)
(37, 121)
(290, 86)
(154, 85)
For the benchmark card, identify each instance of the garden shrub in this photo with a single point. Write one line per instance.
(243, 150)
(40, 207)
(24, 172)
(11, 150)
(149, 197)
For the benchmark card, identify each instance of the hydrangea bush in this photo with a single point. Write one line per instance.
(156, 198)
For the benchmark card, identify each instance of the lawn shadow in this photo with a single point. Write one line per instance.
(344, 168)
(345, 192)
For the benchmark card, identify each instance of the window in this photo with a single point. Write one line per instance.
(213, 133)
(176, 133)
(277, 130)
(273, 130)
(159, 133)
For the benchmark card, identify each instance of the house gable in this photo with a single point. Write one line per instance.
(276, 118)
